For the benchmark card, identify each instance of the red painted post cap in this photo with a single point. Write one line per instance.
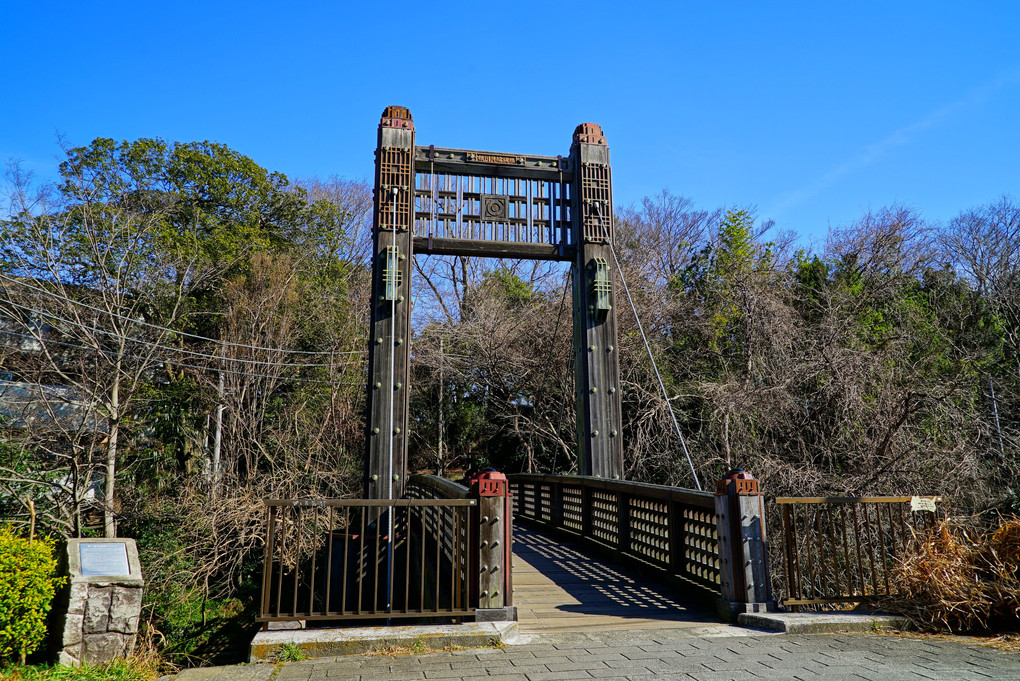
(397, 117)
(589, 133)
(743, 482)
(491, 484)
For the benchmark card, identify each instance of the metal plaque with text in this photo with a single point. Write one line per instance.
(103, 559)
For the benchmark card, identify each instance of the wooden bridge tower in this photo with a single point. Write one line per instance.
(477, 203)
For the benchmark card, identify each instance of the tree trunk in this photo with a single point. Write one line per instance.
(217, 440)
(109, 522)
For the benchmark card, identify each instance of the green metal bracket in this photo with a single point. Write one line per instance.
(392, 276)
(601, 286)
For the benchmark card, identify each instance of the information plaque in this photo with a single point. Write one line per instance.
(103, 559)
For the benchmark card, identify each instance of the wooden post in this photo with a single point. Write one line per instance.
(743, 548)
(556, 514)
(623, 522)
(596, 352)
(587, 512)
(389, 344)
(495, 518)
(677, 538)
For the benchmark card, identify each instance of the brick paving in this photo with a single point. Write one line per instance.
(599, 622)
(676, 654)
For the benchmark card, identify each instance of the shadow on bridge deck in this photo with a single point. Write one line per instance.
(559, 588)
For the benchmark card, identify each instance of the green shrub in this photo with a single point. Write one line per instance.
(290, 652)
(27, 586)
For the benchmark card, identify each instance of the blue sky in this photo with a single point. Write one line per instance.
(811, 112)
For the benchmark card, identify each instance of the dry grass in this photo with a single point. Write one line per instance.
(419, 647)
(955, 580)
(1006, 642)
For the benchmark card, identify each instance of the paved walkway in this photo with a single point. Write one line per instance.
(675, 654)
(582, 618)
(558, 590)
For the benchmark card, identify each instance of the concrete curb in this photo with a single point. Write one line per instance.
(821, 622)
(266, 645)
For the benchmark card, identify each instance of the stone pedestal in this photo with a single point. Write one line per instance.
(97, 616)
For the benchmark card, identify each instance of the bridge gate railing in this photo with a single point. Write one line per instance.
(843, 549)
(489, 572)
(335, 559)
(442, 551)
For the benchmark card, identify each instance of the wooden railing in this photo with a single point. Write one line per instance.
(670, 529)
(338, 559)
(843, 549)
(434, 487)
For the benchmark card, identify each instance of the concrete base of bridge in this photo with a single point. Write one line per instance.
(507, 614)
(267, 645)
(823, 622)
(728, 611)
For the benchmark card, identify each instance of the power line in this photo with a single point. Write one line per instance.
(179, 364)
(163, 328)
(171, 348)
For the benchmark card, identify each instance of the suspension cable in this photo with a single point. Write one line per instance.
(662, 386)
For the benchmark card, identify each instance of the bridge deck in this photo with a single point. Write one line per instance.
(559, 589)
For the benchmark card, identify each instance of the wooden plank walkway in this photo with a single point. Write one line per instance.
(559, 589)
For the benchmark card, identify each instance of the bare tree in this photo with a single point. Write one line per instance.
(104, 281)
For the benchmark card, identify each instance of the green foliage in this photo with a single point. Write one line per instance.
(130, 669)
(811, 278)
(737, 250)
(717, 281)
(174, 413)
(508, 287)
(290, 652)
(29, 479)
(27, 586)
(198, 199)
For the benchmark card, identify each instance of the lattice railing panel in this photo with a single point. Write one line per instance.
(573, 508)
(701, 546)
(605, 517)
(649, 530)
(666, 528)
(545, 492)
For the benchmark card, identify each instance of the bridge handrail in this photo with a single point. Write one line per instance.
(426, 486)
(643, 489)
(667, 528)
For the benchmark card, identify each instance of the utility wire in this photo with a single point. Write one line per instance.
(175, 363)
(218, 358)
(662, 386)
(163, 328)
